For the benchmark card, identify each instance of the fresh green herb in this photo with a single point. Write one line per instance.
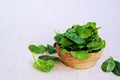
(43, 65)
(116, 70)
(47, 57)
(80, 54)
(37, 49)
(108, 65)
(51, 49)
(81, 38)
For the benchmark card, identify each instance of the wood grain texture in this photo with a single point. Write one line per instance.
(72, 62)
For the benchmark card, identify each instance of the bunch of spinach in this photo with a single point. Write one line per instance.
(45, 62)
(80, 40)
(110, 65)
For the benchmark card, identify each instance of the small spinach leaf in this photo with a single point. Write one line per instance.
(51, 49)
(42, 48)
(47, 57)
(91, 24)
(34, 49)
(58, 37)
(108, 65)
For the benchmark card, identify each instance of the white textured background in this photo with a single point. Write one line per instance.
(23, 22)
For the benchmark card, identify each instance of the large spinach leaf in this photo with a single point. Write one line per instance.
(42, 65)
(80, 54)
(108, 65)
(75, 38)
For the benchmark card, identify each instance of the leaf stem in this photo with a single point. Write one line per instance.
(34, 58)
(57, 32)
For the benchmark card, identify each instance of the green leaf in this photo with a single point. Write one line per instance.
(83, 55)
(38, 65)
(91, 24)
(42, 48)
(84, 32)
(57, 32)
(80, 30)
(47, 57)
(63, 51)
(58, 37)
(116, 70)
(66, 42)
(73, 29)
(96, 45)
(75, 38)
(34, 49)
(108, 65)
(45, 66)
(51, 49)
(77, 47)
(103, 44)
(94, 37)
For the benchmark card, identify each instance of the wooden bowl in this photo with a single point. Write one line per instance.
(72, 62)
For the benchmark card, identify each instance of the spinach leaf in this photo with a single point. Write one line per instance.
(80, 54)
(66, 42)
(63, 51)
(94, 37)
(91, 24)
(75, 38)
(77, 47)
(58, 37)
(45, 66)
(116, 70)
(37, 49)
(47, 57)
(96, 45)
(61, 39)
(108, 65)
(73, 29)
(51, 49)
(42, 48)
(84, 32)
